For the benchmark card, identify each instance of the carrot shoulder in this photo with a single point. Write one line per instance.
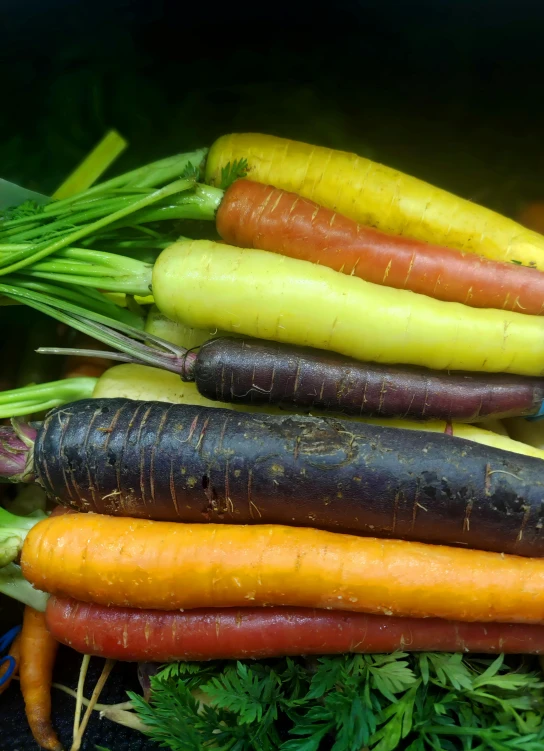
(169, 566)
(38, 652)
(253, 215)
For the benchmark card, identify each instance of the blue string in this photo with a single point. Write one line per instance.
(539, 415)
(9, 672)
(9, 636)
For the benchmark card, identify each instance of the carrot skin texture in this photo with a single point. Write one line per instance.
(38, 653)
(253, 215)
(378, 196)
(173, 462)
(171, 566)
(260, 633)
(251, 371)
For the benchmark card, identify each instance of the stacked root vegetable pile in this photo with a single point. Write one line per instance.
(323, 440)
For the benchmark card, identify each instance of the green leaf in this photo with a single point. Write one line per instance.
(392, 678)
(231, 172)
(450, 670)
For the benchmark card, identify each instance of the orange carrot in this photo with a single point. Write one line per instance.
(38, 652)
(259, 216)
(169, 566)
(15, 652)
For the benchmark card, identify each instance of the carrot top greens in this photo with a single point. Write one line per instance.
(425, 702)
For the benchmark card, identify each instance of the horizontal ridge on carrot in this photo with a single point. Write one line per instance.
(188, 463)
(171, 566)
(253, 215)
(260, 633)
(377, 196)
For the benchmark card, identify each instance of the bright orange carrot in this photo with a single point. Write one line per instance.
(253, 215)
(38, 652)
(15, 652)
(170, 566)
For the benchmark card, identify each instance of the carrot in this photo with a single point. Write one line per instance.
(467, 432)
(265, 373)
(274, 369)
(253, 215)
(377, 196)
(268, 296)
(172, 566)
(174, 331)
(143, 383)
(38, 652)
(13, 664)
(260, 633)
(193, 464)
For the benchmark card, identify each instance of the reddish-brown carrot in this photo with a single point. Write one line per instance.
(38, 652)
(259, 633)
(253, 215)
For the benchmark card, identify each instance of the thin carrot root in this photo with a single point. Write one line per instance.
(79, 693)
(78, 736)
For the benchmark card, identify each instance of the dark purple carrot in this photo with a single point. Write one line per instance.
(189, 463)
(251, 371)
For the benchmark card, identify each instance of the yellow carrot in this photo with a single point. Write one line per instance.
(208, 285)
(176, 332)
(378, 196)
(169, 566)
(463, 430)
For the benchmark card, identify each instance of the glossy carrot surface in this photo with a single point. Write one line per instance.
(171, 566)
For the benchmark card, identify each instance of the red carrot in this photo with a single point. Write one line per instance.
(229, 633)
(253, 215)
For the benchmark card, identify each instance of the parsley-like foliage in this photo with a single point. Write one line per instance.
(191, 172)
(233, 171)
(26, 209)
(399, 702)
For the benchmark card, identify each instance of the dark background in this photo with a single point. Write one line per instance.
(449, 90)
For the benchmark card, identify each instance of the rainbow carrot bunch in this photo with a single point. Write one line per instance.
(289, 460)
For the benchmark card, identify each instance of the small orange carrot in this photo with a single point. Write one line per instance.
(253, 215)
(15, 652)
(169, 566)
(38, 652)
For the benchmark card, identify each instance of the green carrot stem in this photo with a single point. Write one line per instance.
(88, 300)
(115, 333)
(85, 214)
(36, 398)
(93, 166)
(24, 258)
(13, 584)
(105, 271)
(150, 176)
